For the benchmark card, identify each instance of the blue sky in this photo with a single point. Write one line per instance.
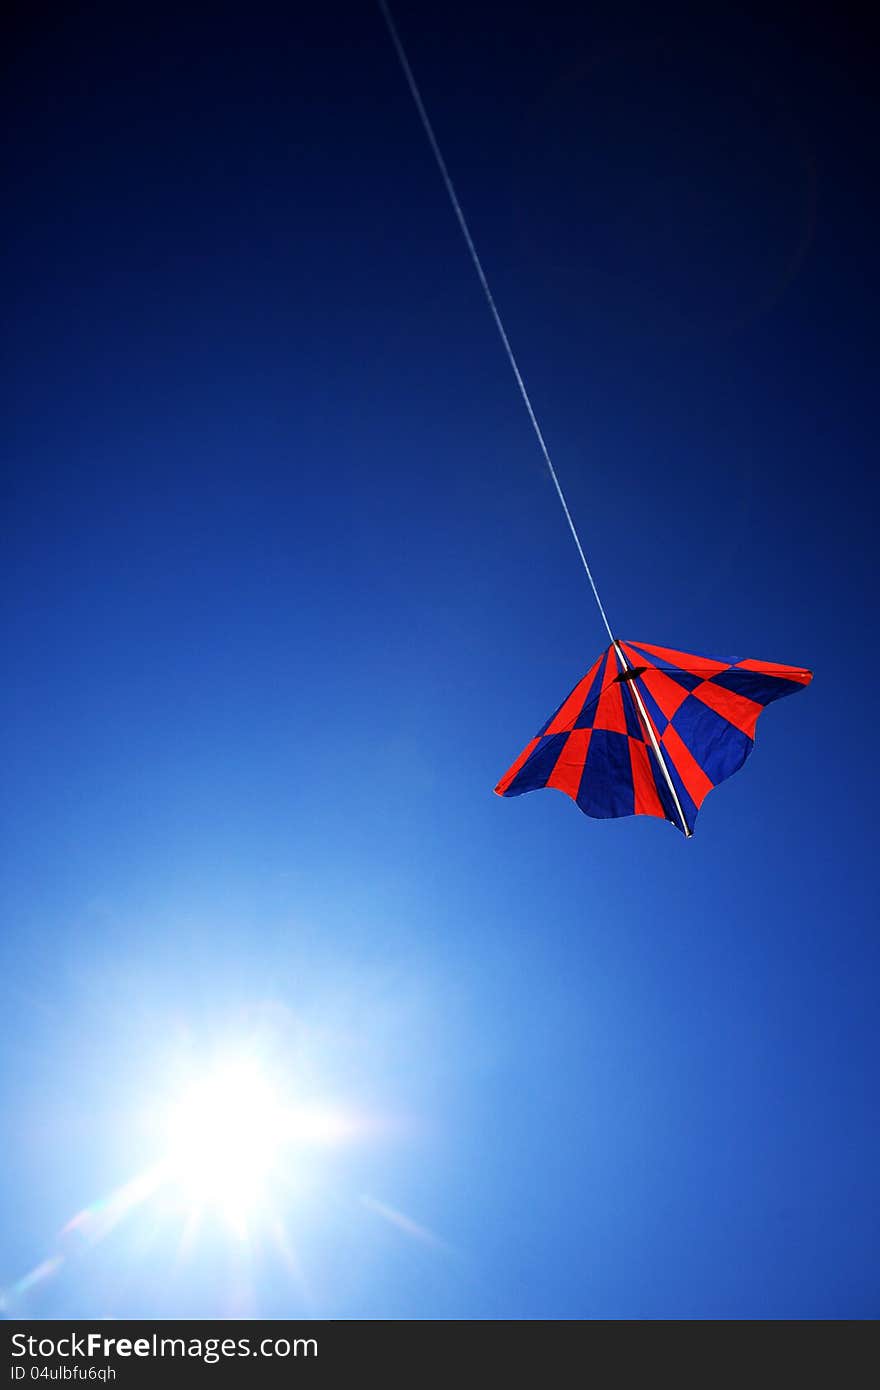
(286, 588)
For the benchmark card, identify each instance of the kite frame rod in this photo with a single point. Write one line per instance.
(655, 744)
(481, 275)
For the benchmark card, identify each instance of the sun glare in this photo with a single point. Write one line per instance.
(224, 1137)
(245, 1138)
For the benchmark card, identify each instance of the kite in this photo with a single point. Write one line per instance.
(650, 731)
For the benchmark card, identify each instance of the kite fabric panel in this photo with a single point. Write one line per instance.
(650, 731)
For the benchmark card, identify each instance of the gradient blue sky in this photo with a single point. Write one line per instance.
(286, 587)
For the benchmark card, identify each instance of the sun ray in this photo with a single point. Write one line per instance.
(405, 1223)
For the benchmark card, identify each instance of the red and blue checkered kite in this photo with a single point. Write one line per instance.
(650, 731)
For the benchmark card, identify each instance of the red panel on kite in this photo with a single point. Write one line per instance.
(650, 731)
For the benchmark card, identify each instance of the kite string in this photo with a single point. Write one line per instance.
(481, 274)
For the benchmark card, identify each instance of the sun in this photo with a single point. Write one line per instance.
(225, 1133)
